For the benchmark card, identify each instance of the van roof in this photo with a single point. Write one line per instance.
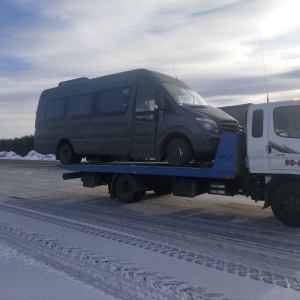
(74, 85)
(157, 75)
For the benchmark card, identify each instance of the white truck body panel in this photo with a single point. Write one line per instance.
(274, 148)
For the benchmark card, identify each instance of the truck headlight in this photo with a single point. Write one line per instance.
(208, 124)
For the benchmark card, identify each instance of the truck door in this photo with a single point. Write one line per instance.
(144, 121)
(284, 135)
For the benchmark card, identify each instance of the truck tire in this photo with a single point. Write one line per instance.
(124, 190)
(67, 155)
(285, 203)
(179, 152)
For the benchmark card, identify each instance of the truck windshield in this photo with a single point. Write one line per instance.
(287, 121)
(183, 95)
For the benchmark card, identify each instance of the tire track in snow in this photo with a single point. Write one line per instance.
(228, 266)
(74, 260)
(211, 229)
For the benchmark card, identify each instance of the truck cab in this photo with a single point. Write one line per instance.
(273, 157)
(273, 136)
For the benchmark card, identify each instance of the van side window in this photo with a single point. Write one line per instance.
(55, 109)
(145, 100)
(79, 106)
(257, 123)
(114, 102)
(287, 121)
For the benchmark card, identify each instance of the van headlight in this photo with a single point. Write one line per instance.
(208, 124)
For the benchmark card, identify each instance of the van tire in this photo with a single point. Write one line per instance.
(179, 152)
(67, 155)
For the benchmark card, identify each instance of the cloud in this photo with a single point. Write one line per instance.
(281, 20)
(213, 45)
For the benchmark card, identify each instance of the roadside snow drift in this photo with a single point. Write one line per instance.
(32, 155)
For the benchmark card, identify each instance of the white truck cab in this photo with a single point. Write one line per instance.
(273, 138)
(273, 157)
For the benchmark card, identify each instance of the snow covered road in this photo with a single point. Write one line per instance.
(63, 241)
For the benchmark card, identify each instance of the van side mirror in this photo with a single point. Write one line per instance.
(161, 102)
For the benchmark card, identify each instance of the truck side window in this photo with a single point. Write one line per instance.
(257, 123)
(145, 100)
(55, 109)
(287, 121)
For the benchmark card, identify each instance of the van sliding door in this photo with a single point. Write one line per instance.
(112, 122)
(144, 121)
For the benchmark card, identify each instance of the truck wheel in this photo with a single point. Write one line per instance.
(285, 204)
(124, 190)
(179, 152)
(67, 155)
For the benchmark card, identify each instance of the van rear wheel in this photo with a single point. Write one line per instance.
(179, 152)
(67, 155)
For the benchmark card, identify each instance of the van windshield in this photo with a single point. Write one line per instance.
(183, 95)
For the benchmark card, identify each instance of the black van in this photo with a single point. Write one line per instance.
(133, 115)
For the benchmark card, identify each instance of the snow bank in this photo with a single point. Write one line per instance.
(32, 155)
(9, 155)
(38, 156)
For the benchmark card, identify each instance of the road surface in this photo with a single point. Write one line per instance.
(59, 240)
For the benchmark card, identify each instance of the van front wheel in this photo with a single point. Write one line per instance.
(179, 152)
(67, 155)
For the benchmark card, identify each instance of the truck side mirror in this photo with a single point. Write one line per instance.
(161, 102)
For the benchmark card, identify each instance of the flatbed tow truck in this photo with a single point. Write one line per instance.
(262, 163)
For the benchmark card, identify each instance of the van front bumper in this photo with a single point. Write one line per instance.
(206, 147)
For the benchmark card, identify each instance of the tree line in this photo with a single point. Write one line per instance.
(21, 145)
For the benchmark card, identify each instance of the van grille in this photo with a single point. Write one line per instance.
(229, 126)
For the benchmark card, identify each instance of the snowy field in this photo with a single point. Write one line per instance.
(59, 240)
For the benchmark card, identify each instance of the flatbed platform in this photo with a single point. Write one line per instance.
(227, 163)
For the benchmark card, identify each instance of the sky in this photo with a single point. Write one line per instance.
(230, 51)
